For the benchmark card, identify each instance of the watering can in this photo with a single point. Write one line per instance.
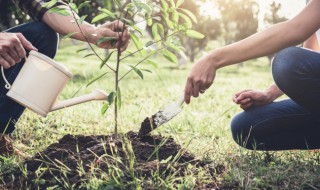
(40, 82)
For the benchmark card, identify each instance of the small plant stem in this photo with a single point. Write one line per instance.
(117, 78)
(86, 39)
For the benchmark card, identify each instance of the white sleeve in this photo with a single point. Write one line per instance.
(318, 35)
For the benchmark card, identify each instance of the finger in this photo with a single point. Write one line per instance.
(13, 54)
(187, 91)
(4, 63)
(246, 106)
(20, 50)
(245, 101)
(125, 36)
(195, 90)
(123, 48)
(26, 43)
(239, 93)
(8, 59)
(118, 25)
(243, 96)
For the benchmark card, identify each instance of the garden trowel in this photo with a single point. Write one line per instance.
(161, 117)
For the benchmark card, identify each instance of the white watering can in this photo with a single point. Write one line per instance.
(40, 82)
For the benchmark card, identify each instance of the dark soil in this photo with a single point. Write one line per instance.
(147, 126)
(74, 159)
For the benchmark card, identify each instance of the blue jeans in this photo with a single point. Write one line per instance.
(289, 124)
(46, 41)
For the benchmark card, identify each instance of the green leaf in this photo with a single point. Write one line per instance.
(74, 7)
(149, 22)
(69, 35)
(118, 3)
(99, 17)
(154, 64)
(104, 108)
(80, 50)
(175, 16)
(194, 34)
(126, 21)
(111, 97)
(81, 19)
(189, 14)
(187, 20)
(136, 41)
(172, 3)
(109, 13)
(179, 3)
(84, 4)
(105, 60)
(60, 11)
(104, 39)
(165, 6)
(146, 70)
(96, 78)
(50, 3)
(154, 30)
(170, 56)
(119, 98)
(137, 71)
(137, 29)
(160, 29)
(169, 22)
(88, 55)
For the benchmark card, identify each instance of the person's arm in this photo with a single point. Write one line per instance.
(66, 24)
(267, 42)
(312, 43)
(249, 98)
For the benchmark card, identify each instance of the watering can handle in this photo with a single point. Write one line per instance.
(8, 85)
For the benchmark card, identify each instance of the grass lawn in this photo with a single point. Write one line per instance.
(203, 127)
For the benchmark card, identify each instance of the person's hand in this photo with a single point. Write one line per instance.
(12, 48)
(249, 98)
(114, 29)
(200, 78)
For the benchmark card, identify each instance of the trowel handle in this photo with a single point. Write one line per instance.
(8, 85)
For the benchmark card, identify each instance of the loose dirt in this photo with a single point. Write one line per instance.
(74, 159)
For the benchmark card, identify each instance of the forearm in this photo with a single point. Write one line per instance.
(273, 92)
(271, 40)
(264, 43)
(67, 24)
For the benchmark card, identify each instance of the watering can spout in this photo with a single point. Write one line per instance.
(94, 95)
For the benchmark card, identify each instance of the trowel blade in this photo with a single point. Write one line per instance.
(161, 117)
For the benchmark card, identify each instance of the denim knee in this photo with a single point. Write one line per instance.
(241, 129)
(287, 68)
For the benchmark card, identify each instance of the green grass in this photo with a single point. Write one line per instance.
(203, 126)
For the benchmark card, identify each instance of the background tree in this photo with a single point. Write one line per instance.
(208, 26)
(239, 19)
(10, 15)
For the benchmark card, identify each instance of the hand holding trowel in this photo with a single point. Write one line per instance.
(161, 117)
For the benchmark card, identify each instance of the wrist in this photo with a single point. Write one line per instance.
(216, 58)
(90, 33)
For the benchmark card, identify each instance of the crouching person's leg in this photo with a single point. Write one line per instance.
(280, 125)
(45, 40)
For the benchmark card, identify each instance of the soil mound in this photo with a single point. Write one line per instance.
(74, 159)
